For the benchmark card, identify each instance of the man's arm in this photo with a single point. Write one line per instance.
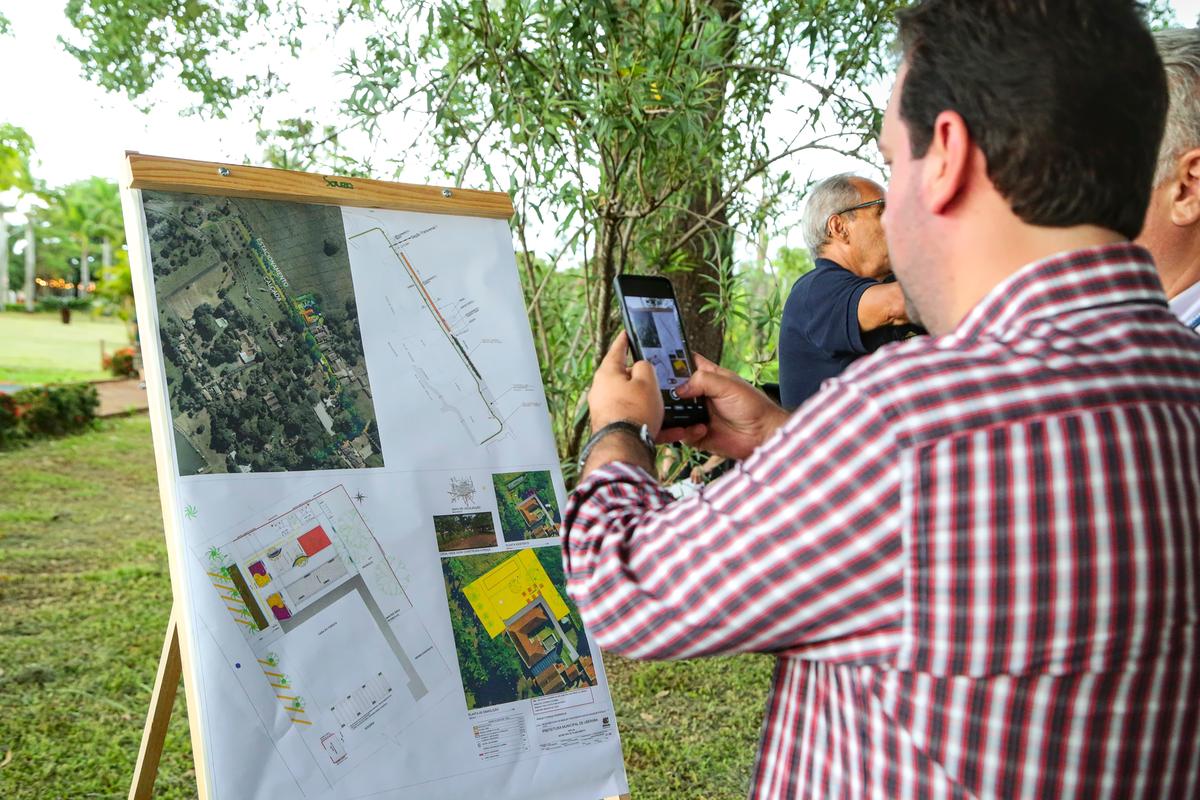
(881, 306)
(796, 549)
(741, 417)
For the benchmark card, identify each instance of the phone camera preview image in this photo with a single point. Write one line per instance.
(655, 323)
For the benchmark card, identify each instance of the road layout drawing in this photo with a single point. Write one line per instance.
(456, 383)
(333, 632)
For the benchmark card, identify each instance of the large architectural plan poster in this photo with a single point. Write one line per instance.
(358, 467)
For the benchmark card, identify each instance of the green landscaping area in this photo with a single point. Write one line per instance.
(84, 600)
(38, 348)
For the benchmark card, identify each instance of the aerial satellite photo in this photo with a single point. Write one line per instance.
(260, 333)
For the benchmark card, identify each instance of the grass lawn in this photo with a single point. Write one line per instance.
(84, 598)
(38, 348)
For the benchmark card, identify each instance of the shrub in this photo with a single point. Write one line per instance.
(46, 411)
(120, 363)
(8, 420)
(57, 303)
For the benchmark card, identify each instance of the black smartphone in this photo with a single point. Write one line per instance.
(656, 335)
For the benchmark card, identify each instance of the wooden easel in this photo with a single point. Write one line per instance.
(162, 701)
(236, 180)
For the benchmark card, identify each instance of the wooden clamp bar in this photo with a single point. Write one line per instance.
(235, 180)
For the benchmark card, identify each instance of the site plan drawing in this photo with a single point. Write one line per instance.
(332, 630)
(363, 499)
(438, 338)
(449, 337)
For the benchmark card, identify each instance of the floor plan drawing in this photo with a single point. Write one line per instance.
(333, 631)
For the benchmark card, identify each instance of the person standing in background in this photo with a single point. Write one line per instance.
(1172, 229)
(844, 308)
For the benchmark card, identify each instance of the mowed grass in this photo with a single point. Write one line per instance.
(37, 348)
(84, 600)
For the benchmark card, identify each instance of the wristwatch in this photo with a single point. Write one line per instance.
(639, 432)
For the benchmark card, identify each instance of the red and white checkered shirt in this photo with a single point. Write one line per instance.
(977, 556)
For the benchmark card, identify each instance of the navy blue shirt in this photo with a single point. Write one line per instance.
(819, 335)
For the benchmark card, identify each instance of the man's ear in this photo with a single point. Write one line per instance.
(1185, 199)
(836, 229)
(947, 162)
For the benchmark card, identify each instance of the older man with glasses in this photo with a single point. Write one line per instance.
(844, 308)
(1172, 229)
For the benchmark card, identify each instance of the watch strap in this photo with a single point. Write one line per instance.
(639, 432)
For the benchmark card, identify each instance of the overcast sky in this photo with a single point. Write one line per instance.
(80, 130)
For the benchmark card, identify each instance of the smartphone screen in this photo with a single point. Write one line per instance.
(655, 329)
(659, 334)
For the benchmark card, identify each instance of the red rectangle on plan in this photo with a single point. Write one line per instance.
(314, 541)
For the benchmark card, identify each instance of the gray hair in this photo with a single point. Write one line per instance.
(826, 199)
(1179, 49)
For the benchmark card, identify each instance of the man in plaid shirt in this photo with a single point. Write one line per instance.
(976, 554)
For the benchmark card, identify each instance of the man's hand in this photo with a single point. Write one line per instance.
(625, 393)
(741, 418)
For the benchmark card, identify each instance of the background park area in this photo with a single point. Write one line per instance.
(651, 137)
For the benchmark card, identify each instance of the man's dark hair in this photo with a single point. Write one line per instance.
(1066, 99)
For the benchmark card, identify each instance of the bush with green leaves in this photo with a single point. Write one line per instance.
(121, 363)
(46, 411)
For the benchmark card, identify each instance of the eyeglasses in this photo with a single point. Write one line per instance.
(876, 202)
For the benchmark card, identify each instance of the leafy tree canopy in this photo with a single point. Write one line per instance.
(646, 134)
(16, 148)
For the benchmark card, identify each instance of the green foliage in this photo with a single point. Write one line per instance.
(78, 218)
(58, 303)
(46, 411)
(121, 363)
(16, 147)
(752, 339)
(70, 226)
(636, 130)
(129, 45)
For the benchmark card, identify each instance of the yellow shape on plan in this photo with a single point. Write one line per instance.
(501, 592)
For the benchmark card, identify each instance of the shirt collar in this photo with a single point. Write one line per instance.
(826, 263)
(1186, 305)
(1094, 277)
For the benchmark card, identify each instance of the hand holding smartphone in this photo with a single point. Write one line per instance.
(655, 330)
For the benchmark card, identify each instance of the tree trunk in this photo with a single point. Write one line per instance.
(3, 264)
(605, 268)
(85, 272)
(600, 309)
(704, 254)
(106, 260)
(30, 264)
(711, 249)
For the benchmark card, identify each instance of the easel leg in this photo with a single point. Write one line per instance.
(161, 702)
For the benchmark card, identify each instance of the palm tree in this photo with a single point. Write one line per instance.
(15, 149)
(84, 213)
